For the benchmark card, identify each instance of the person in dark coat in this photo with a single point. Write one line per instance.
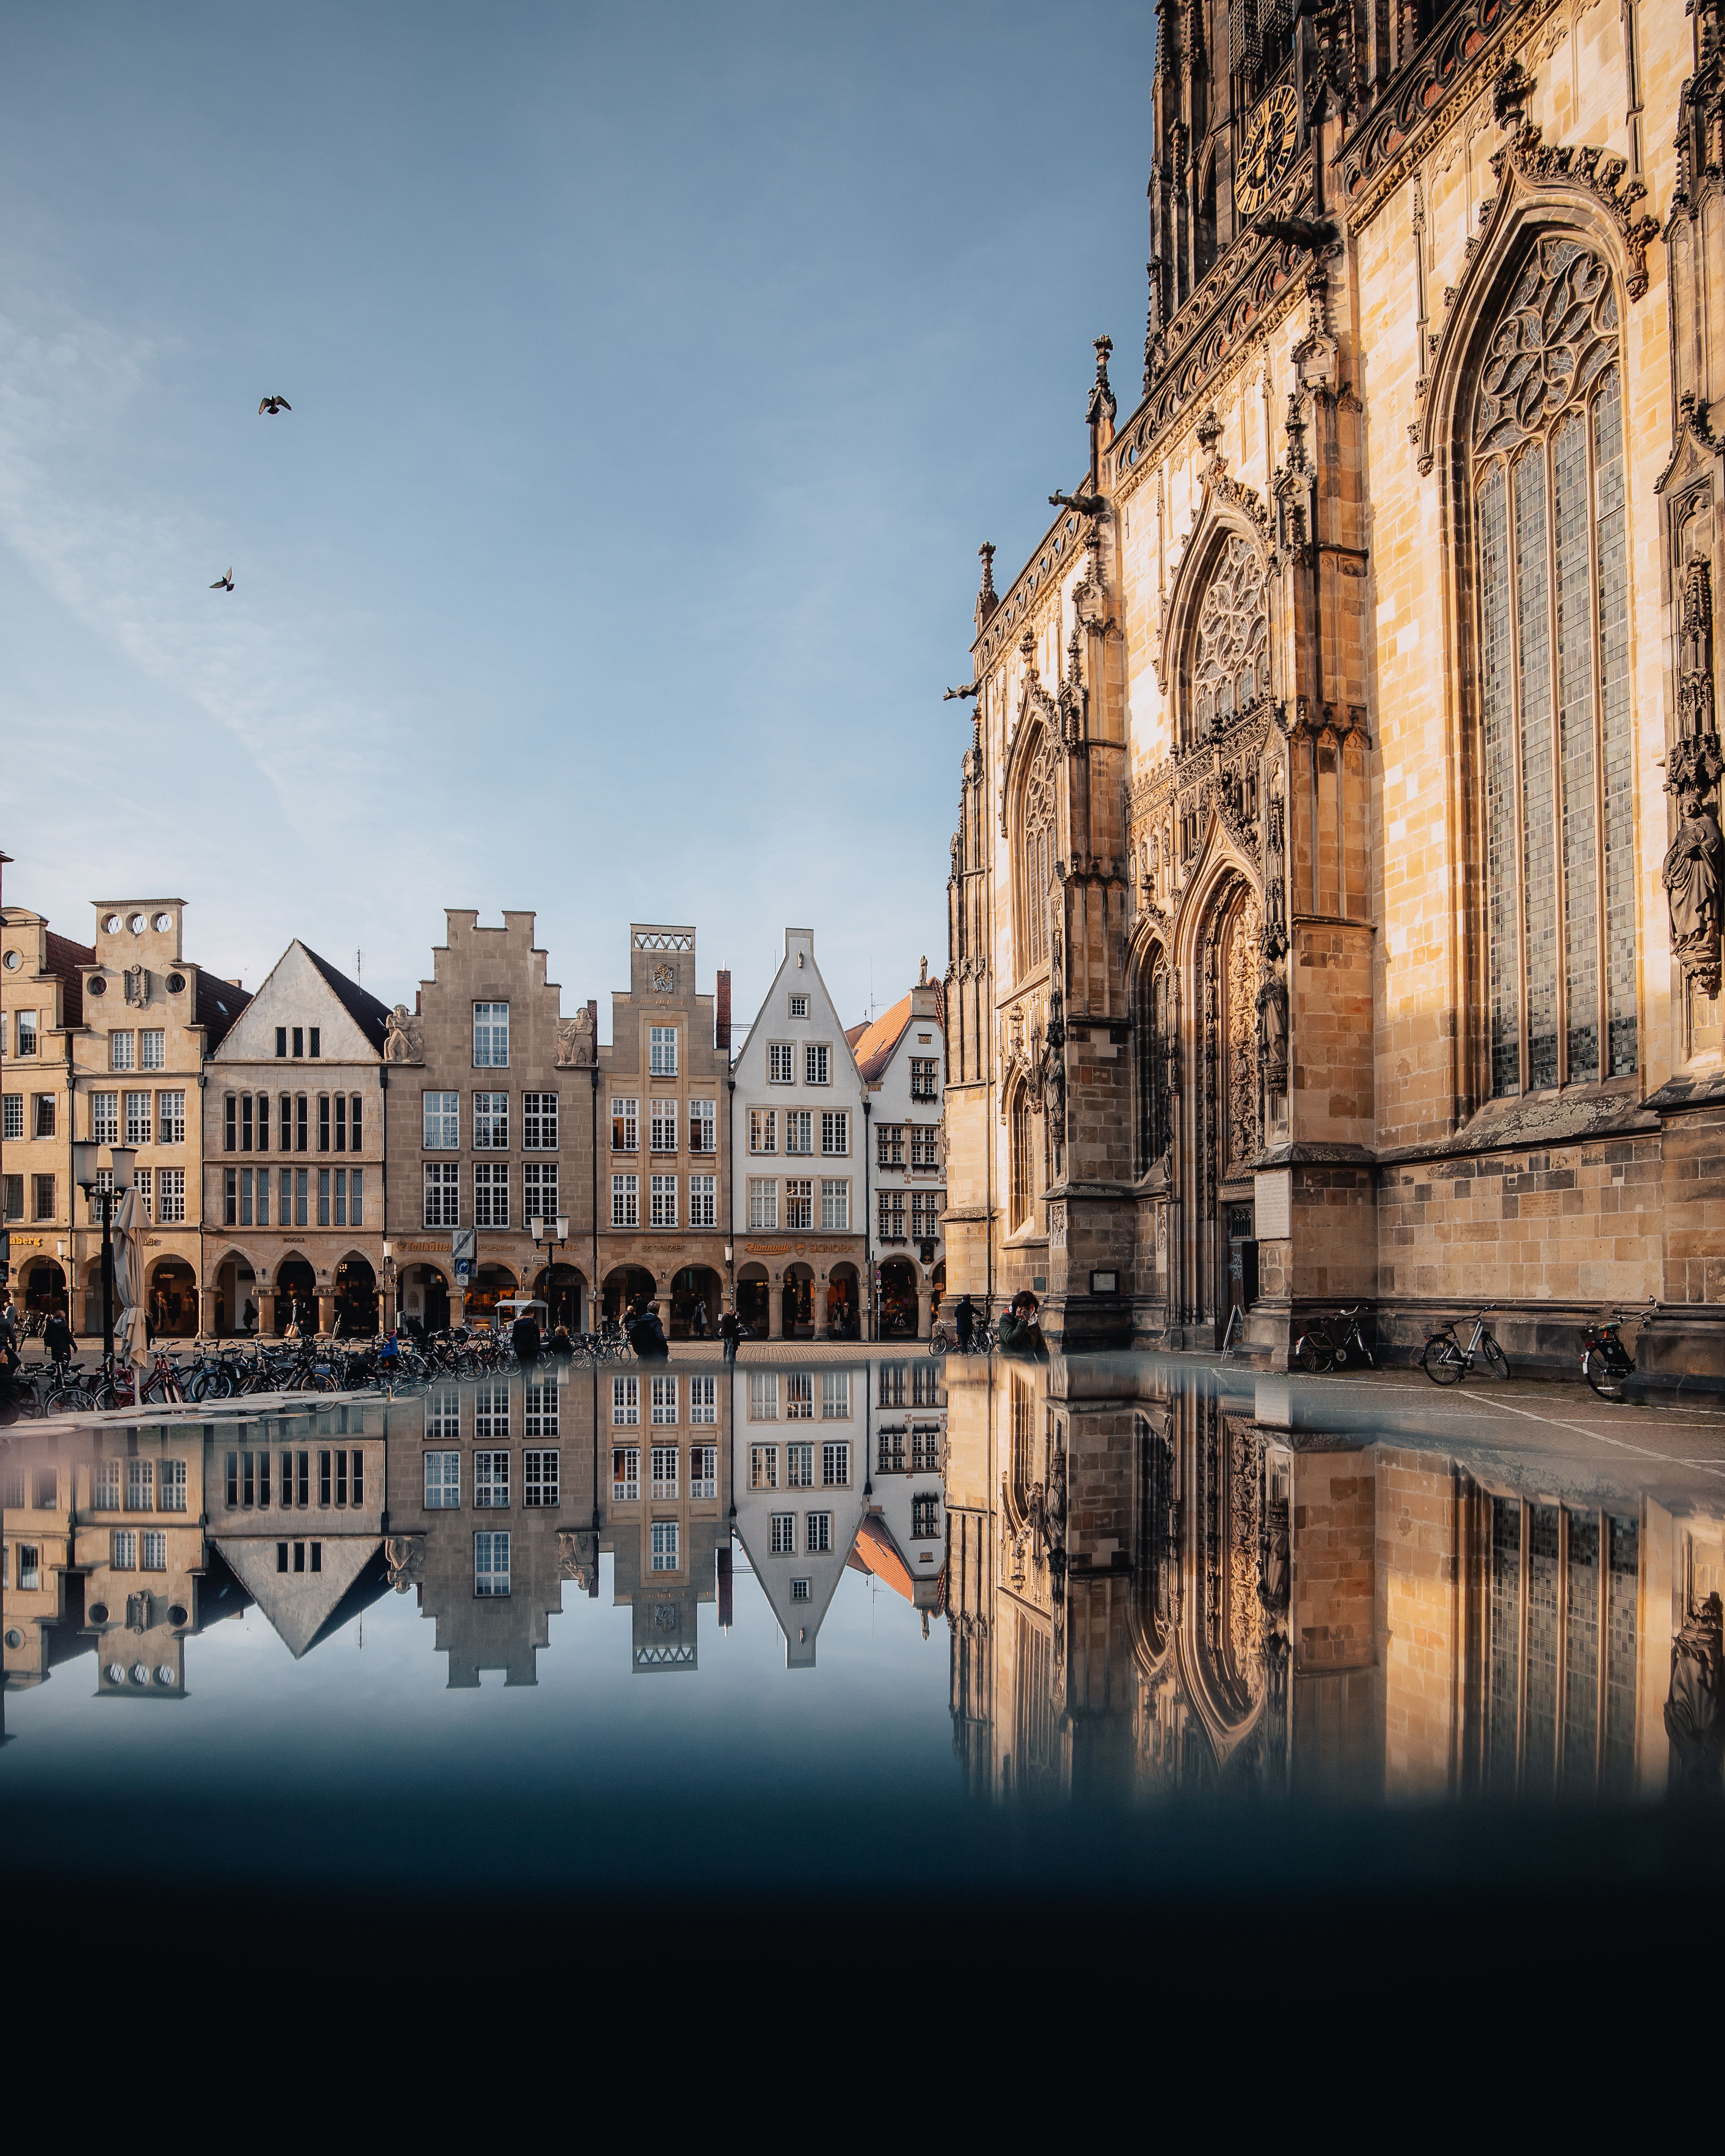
(730, 1333)
(524, 1337)
(697, 1319)
(56, 1337)
(561, 1344)
(964, 1318)
(1020, 1334)
(646, 1336)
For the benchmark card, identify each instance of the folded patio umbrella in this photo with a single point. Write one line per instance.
(130, 1330)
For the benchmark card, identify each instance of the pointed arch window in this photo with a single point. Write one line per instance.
(1035, 851)
(1154, 1030)
(1547, 482)
(1230, 646)
(1021, 1135)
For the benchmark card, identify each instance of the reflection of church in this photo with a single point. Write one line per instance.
(1335, 902)
(1156, 1589)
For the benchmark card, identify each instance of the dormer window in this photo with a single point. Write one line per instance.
(799, 1006)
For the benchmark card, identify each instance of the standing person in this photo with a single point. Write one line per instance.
(964, 1318)
(56, 1337)
(697, 1318)
(561, 1345)
(646, 1336)
(730, 1331)
(8, 1325)
(524, 1337)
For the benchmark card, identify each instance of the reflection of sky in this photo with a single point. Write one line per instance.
(349, 1714)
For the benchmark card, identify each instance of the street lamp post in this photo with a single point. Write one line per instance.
(88, 1176)
(549, 1236)
(389, 1310)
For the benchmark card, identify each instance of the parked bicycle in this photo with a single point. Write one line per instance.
(1334, 1342)
(943, 1337)
(1446, 1358)
(1605, 1362)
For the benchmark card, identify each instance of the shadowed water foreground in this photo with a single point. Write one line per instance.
(1125, 1632)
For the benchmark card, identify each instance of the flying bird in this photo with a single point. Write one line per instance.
(275, 404)
(223, 583)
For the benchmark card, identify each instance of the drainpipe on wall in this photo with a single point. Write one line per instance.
(868, 1222)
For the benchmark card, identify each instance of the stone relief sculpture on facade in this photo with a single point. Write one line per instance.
(575, 1040)
(1694, 870)
(403, 1037)
(405, 1556)
(1695, 1712)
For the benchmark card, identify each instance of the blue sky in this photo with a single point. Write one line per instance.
(656, 372)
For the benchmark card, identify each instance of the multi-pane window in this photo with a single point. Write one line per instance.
(491, 1407)
(836, 1396)
(664, 1470)
(153, 1049)
(798, 1202)
(662, 1051)
(104, 1486)
(443, 1121)
(540, 1408)
(662, 1125)
(539, 1190)
(926, 1449)
(703, 1471)
(835, 1131)
(490, 1481)
(924, 1145)
(781, 1062)
(891, 1457)
(703, 1127)
(139, 1118)
(26, 1032)
(122, 1550)
(764, 1467)
(817, 1063)
(798, 1131)
(835, 1203)
(926, 1517)
(703, 1400)
(890, 1213)
(625, 1474)
(442, 1194)
(816, 1532)
(925, 1077)
(665, 1539)
(143, 1181)
(925, 1215)
(539, 1123)
(491, 1560)
(625, 1126)
(763, 1201)
(294, 1193)
(625, 1201)
(104, 1118)
(1553, 673)
(13, 1125)
(835, 1465)
(625, 1399)
(30, 1567)
(799, 1467)
(925, 1384)
(664, 1406)
(122, 1051)
(490, 1122)
(784, 1534)
(152, 1546)
(341, 1197)
(490, 1193)
(799, 1396)
(662, 1200)
(171, 1496)
(443, 1411)
(13, 1200)
(703, 1201)
(141, 1485)
(539, 1477)
(889, 1384)
(42, 1198)
(490, 1036)
(171, 1120)
(799, 1591)
(443, 1481)
(764, 1130)
(44, 1119)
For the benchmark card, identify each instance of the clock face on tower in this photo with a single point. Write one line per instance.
(1268, 150)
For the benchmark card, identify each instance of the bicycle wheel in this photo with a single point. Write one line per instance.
(70, 1399)
(1604, 1373)
(1496, 1362)
(1443, 1361)
(939, 1344)
(1312, 1354)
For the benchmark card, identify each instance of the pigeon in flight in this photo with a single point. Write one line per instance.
(223, 583)
(275, 404)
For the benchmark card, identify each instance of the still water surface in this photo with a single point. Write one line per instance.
(1119, 1623)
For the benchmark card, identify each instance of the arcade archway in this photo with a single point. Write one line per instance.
(754, 1300)
(356, 1298)
(898, 1300)
(629, 1287)
(564, 1290)
(696, 1293)
(171, 1299)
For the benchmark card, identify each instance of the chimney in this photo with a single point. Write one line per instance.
(592, 1011)
(721, 1010)
(724, 1549)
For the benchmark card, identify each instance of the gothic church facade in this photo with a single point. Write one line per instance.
(1335, 902)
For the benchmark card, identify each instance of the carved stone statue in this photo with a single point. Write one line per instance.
(405, 1556)
(577, 1554)
(575, 1040)
(403, 1037)
(1273, 1030)
(1695, 1712)
(1694, 872)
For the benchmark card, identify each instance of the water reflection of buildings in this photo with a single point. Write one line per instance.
(484, 1499)
(1153, 1589)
